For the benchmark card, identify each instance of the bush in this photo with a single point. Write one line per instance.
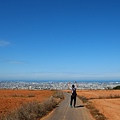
(59, 94)
(84, 99)
(34, 110)
(94, 112)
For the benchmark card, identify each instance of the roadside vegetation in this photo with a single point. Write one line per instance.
(94, 112)
(35, 110)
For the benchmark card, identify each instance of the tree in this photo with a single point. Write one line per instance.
(117, 88)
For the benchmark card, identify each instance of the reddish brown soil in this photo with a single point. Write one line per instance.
(12, 99)
(110, 108)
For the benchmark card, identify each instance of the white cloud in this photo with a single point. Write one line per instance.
(4, 43)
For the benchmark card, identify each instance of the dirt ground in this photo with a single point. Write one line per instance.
(98, 93)
(110, 108)
(12, 99)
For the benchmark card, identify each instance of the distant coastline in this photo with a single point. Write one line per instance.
(105, 81)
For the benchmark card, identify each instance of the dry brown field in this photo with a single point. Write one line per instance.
(110, 108)
(12, 99)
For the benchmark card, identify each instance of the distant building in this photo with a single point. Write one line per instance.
(30, 87)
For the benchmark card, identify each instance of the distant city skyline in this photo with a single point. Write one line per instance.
(38, 85)
(60, 40)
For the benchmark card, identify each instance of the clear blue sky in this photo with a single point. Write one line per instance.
(59, 39)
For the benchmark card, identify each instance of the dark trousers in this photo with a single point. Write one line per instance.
(73, 98)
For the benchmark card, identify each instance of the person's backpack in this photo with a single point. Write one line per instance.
(74, 92)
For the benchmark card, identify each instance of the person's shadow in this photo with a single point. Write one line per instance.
(79, 106)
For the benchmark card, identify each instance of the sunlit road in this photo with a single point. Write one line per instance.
(65, 112)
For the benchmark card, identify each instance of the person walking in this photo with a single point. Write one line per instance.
(73, 95)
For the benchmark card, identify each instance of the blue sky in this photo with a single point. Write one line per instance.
(60, 40)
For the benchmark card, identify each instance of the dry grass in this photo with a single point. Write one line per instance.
(12, 99)
(103, 111)
(94, 112)
(34, 110)
(109, 97)
(98, 93)
(18, 95)
(58, 94)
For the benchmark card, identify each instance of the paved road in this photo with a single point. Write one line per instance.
(65, 112)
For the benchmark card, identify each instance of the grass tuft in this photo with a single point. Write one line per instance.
(59, 94)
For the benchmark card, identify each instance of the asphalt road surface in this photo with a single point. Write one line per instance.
(65, 112)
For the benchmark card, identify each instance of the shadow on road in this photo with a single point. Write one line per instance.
(79, 106)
